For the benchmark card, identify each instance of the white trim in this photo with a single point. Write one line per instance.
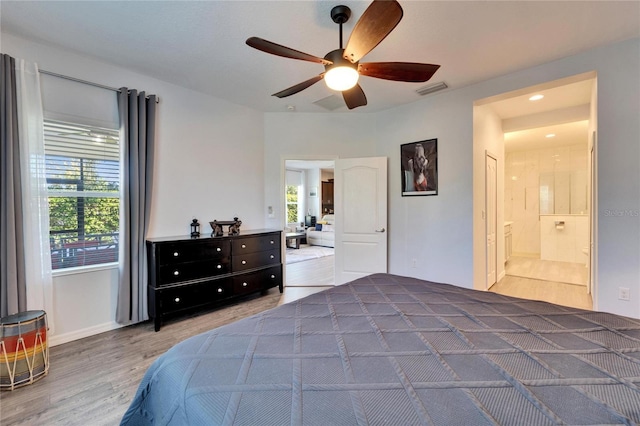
(84, 269)
(55, 340)
(85, 194)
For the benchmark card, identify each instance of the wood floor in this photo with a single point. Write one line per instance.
(92, 381)
(314, 272)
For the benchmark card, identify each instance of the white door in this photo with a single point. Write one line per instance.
(491, 218)
(360, 199)
(593, 208)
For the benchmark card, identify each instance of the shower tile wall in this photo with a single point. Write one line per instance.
(522, 190)
(521, 200)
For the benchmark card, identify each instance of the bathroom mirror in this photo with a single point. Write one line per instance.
(563, 192)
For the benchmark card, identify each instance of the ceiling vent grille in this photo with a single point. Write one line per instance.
(331, 102)
(426, 90)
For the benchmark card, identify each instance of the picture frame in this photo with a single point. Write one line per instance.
(419, 168)
(313, 192)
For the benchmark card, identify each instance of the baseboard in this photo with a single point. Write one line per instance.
(55, 340)
(501, 275)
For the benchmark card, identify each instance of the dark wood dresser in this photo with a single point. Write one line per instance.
(188, 273)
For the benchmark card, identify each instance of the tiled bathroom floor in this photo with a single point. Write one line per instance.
(562, 283)
(564, 294)
(548, 270)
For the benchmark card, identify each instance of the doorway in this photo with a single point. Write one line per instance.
(491, 179)
(308, 254)
(544, 189)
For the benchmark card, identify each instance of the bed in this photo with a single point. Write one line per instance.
(393, 350)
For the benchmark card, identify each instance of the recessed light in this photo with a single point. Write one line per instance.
(550, 135)
(536, 97)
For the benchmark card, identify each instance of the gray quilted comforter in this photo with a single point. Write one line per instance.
(393, 350)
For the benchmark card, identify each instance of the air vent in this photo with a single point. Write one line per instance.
(425, 90)
(330, 103)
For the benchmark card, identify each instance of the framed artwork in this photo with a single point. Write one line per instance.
(419, 166)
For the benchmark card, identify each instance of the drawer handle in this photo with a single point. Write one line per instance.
(218, 249)
(220, 290)
(272, 276)
(272, 256)
(272, 242)
(177, 300)
(219, 266)
(244, 246)
(176, 254)
(244, 262)
(176, 273)
(244, 284)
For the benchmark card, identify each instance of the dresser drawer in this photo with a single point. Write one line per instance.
(189, 251)
(170, 274)
(255, 244)
(257, 281)
(272, 277)
(185, 297)
(247, 261)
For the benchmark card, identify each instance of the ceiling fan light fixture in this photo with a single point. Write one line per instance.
(341, 78)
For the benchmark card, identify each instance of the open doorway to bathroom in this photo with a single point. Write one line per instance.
(309, 253)
(545, 188)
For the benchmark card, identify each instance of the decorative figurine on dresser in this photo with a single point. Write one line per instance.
(191, 272)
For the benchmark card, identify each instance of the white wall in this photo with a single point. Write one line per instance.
(203, 140)
(309, 137)
(436, 230)
(442, 229)
(563, 242)
(618, 105)
(488, 134)
(209, 164)
(313, 181)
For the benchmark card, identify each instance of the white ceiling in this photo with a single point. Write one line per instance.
(563, 111)
(575, 133)
(201, 44)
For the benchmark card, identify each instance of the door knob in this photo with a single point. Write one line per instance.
(380, 230)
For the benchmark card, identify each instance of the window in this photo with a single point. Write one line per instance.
(292, 203)
(294, 192)
(83, 182)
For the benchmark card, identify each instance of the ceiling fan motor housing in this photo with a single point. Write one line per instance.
(336, 56)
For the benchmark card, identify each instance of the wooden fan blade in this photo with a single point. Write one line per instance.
(299, 87)
(286, 52)
(399, 71)
(380, 18)
(354, 97)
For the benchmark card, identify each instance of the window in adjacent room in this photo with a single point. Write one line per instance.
(294, 192)
(83, 183)
(292, 203)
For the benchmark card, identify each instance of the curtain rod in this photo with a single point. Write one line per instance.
(102, 86)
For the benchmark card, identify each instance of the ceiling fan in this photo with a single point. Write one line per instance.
(342, 66)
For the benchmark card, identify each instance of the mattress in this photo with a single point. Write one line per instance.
(394, 350)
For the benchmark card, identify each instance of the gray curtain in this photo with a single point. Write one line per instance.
(137, 130)
(13, 288)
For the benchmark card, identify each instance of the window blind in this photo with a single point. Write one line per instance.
(83, 182)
